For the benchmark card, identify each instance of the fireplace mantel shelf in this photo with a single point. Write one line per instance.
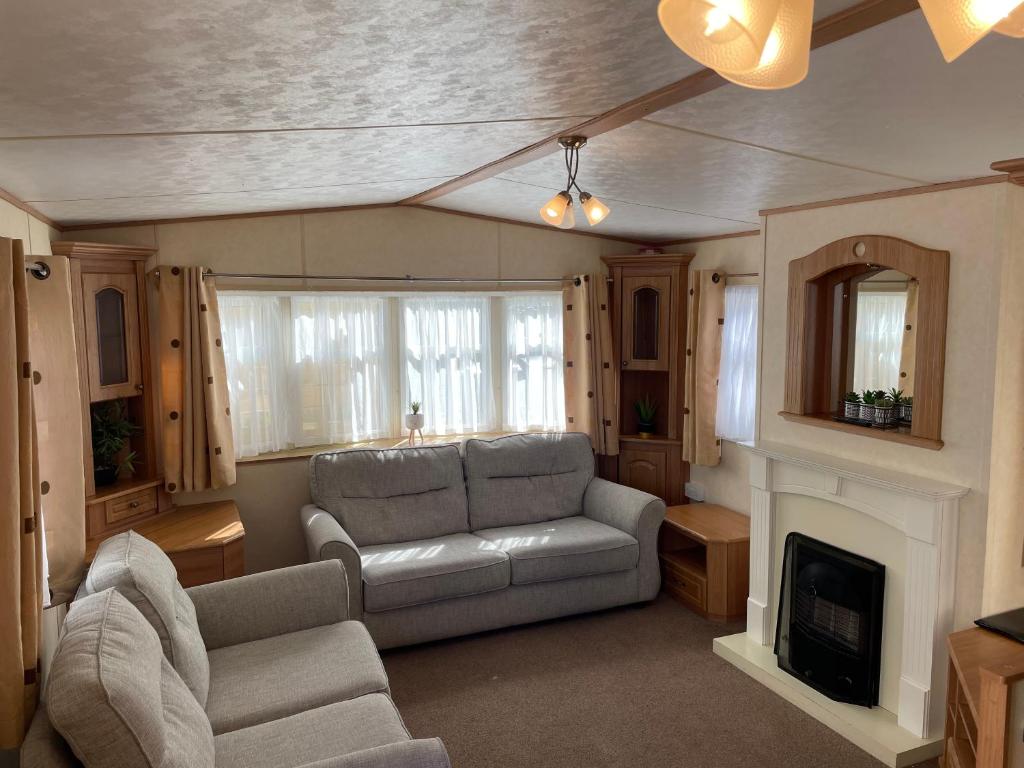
(901, 482)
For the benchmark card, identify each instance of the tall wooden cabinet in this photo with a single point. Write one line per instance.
(648, 293)
(108, 295)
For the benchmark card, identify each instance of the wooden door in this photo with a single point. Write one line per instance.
(644, 470)
(111, 309)
(646, 306)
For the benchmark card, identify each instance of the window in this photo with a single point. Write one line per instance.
(879, 339)
(737, 376)
(311, 368)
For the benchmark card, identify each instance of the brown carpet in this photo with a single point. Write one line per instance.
(635, 686)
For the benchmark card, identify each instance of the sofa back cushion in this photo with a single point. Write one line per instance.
(116, 699)
(390, 496)
(139, 570)
(523, 479)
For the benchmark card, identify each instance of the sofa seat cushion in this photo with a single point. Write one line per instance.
(316, 734)
(264, 680)
(389, 496)
(417, 572)
(563, 549)
(142, 572)
(523, 479)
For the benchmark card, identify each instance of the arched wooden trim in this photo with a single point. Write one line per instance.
(808, 383)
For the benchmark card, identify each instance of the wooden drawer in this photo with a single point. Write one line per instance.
(685, 583)
(130, 506)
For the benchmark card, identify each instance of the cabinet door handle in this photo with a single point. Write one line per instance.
(625, 363)
(138, 387)
(133, 504)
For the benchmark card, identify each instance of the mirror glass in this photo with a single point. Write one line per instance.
(874, 324)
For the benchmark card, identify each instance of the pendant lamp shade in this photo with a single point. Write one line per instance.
(593, 209)
(553, 211)
(569, 220)
(787, 53)
(959, 24)
(1012, 25)
(725, 35)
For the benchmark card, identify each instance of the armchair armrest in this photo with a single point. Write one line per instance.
(327, 540)
(419, 753)
(637, 513)
(271, 603)
(632, 511)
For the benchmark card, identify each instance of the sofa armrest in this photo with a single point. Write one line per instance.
(637, 513)
(271, 603)
(632, 511)
(419, 753)
(327, 540)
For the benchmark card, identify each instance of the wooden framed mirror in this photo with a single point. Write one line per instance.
(867, 314)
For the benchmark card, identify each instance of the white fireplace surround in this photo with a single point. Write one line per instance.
(924, 511)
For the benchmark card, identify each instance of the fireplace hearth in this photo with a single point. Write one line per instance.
(829, 628)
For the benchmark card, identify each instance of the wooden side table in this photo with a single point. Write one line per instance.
(204, 541)
(705, 559)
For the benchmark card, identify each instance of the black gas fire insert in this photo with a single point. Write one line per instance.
(829, 629)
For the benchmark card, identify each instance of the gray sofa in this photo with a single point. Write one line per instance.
(519, 530)
(263, 671)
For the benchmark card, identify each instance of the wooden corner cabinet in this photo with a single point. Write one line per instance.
(108, 296)
(648, 294)
(704, 551)
(983, 669)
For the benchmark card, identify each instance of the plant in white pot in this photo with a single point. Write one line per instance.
(867, 405)
(907, 409)
(851, 405)
(885, 411)
(414, 421)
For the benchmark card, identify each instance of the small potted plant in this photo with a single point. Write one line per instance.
(907, 409)
(851, 405)
(111, 429)
(885, 411)
(414, 420)
(867, 405)
(645, 411)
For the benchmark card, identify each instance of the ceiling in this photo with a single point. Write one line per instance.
(127, 110)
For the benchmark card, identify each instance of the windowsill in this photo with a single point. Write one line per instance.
(382, 443)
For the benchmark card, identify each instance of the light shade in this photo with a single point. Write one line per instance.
(569, 220)
(593, 209)
(553, 211)
(726, 35)
(959, 24)
(1012, 25)
(787, 54)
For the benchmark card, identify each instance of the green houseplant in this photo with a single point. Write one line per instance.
(645, 412)
(111, 431)
(851, 405)
(414, 419)
(867, 406)
(885, 410)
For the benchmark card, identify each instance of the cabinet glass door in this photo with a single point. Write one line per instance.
(645, 322)
(110, 305)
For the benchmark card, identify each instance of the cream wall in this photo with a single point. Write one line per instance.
(728, 483)
(377, 241)
(1004, 570)
(20, 225)
(969, 223)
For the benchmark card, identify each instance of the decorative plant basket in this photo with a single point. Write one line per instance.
(867, 411)
(906, 412)
(885, 414)
(851, 410)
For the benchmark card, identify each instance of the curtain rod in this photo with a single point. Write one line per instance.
(384, 279)
(717, 277)
(40, 269)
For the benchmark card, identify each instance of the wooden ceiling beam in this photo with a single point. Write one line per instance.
(858, 18)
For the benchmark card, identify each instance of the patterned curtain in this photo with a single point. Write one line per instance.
(703, 353)
(21, 558)
(591, 368)
(197, 440)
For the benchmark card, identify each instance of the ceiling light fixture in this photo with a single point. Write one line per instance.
(959, 24)
(725, 35)
(558, 211)
(766, 44)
